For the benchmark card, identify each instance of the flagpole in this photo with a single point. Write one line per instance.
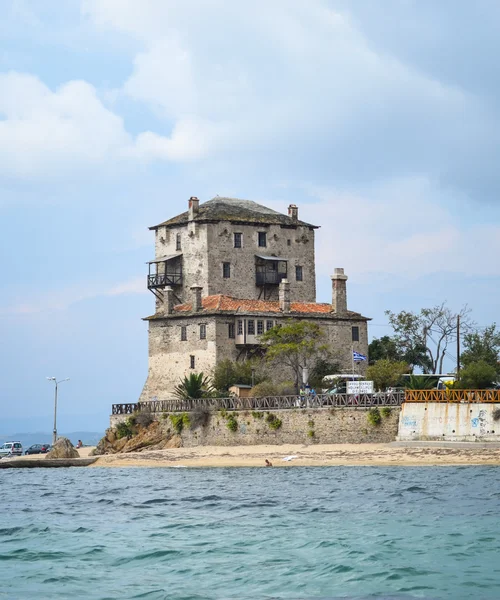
(352, 357)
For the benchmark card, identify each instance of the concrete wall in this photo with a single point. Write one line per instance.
(330, 426)
(448, 422)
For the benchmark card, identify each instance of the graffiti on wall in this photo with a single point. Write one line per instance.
(410, 421)
(480, 421)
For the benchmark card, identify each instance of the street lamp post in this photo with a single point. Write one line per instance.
(54, 432)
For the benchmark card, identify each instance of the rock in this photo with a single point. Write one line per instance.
(174, 442)
(120, 444)
(145, 438)
(63, 448)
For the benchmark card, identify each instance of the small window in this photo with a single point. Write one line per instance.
(260, 327)
(289, 242)
(178, 241)
(184, 335)
(230, 331)
(240, 327)
(237, 240)
(191, 361)
(355, 334)
(269, 325)
(298, 273)
(262, 239)
(203, 332)
(251, 327)
(226, 270)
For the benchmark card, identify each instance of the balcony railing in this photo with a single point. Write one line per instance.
(160, 280)
(269, 278)
(265, 403)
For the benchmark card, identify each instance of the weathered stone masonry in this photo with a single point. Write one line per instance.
(300, 426)
(225, 272)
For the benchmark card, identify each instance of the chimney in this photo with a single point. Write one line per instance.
(284, 295)
(193, 206)
(339, 292)
(167, 307)
(196, 297)
(293, 212)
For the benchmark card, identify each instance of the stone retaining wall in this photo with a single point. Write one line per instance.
(298, 426)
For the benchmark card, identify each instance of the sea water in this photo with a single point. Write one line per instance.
(327, 532)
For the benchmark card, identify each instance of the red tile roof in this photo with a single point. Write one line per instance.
(223, 303)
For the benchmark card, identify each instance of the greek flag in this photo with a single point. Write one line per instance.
(357, 357)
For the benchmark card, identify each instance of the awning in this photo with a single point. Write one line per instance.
(163, 259)
(271, 257)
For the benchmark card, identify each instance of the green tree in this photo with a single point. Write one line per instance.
(194, 386)
(430, 331)
(228, 372)
(386, 373)
(322, 367)
(383, 348)
(297, 345)
(477, 376)
(482, 346)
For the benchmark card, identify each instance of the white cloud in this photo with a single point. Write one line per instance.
(44, 130)
(64, 297)
(288, 79)
(399, 227)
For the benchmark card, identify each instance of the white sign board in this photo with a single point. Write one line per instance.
(360, 387)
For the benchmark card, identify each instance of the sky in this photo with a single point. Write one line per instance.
(380, 120)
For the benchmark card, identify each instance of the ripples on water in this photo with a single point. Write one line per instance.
(330, 532)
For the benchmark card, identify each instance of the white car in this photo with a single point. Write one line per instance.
(11, 449)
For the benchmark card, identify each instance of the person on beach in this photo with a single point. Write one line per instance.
(268, 464)
(80, 444)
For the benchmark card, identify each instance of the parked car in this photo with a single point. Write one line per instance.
(11, 449)
(38, 449)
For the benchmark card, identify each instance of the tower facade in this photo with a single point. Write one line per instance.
(225, 272)
(234, 247)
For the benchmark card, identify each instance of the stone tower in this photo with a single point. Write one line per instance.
(234, 247)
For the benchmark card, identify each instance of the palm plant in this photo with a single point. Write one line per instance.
(421, 382)
(194, 386)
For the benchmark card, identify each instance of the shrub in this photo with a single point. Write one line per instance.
(257, 415)
(310, 423)
(386, 411)
(232, 423)
(179, 421)
(273, 421)
(265, 388)
(124, 429)
(268, 388)
(496, 414)
(311, 433)
(374, 417)
(228, 373)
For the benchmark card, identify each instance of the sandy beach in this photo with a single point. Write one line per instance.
(307, 455)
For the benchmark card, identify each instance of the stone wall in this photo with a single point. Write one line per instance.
(300, 426)
(169, 356)
(205, 246)
(296, 245)
(445, 421)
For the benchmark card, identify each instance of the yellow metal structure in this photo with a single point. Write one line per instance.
(474, 396)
